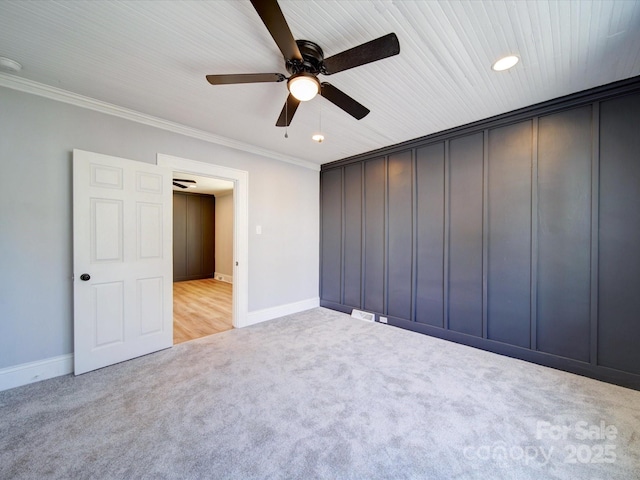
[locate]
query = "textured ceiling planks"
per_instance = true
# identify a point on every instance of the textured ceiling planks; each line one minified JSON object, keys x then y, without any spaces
{"x":152,"y":57}
{"x":627,"y":20}
{"x":448,"y":49}
{"x":426,"y":52}
{"x":560,"y":13}
{"x":547,"y":41}
{"x":528,"y":66}
{"x":632,"y":60}
{"x":479,"y":26}
{"x":592,"y":35}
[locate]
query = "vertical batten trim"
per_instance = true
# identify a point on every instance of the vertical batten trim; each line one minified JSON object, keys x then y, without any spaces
{"x":202,"y":214}
{"x":414,"y":233}
{"x":362,"y":234}
{"x":447,"y":222}
{"x":485,"y":233}
{"x":385,"y":249}
{"x":533,"y":313}
{"x":320,"y":257}
{"x":343,"y":229}
{"x":595,"y":228}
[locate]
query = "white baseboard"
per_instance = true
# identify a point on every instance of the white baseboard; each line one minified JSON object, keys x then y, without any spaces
{"x":223,"y":277}
{"x":23,"y":374}
{"x":265,"y":314}
{"x":26,"y":373}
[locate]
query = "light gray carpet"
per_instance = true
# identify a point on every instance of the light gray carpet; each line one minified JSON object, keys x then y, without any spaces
{"x":320,"y":395}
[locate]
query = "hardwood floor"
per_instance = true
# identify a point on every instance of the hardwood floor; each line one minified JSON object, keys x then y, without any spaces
{"x":200,"y":308}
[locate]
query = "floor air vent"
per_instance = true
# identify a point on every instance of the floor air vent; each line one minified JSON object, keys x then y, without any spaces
{"x":360,"y":315}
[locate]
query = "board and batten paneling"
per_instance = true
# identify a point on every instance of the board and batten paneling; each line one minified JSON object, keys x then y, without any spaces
{"x":331,"y":236}
{"x":619,"y":256}
{"x":465,"y":234}
{"x":179,"y":237}
{"x":400,"y":235}
{"x":509,"y":234}
{"x":193,"y":236}
{"x":194,"y":245}
{"x":564,"y":242}
{"x":374,"y":234}
{"x":518,"y":234}
{"x":353,"y":235}
{"x":429,"y":301}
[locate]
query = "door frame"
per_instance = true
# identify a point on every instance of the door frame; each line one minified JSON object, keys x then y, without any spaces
{"x":240,"y":179}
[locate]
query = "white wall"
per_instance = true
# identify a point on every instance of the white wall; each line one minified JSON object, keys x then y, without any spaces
{"x":224,"y":234}
{"x":37,"y":136}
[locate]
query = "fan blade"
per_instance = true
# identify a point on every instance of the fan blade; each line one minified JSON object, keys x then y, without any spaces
{"x":245,"y":78}
{"x":344,"y":101}
{"x":178,"y":185}
{"x":183,"y":180}
{"x":274,"y":20}
{"x":288,"y":111}
{"x":377,"y":49}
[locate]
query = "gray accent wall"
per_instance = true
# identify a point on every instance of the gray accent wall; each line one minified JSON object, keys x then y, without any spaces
{"x":519,"y":234}
{"x":618,"y":344}
{"x":37,"y":136}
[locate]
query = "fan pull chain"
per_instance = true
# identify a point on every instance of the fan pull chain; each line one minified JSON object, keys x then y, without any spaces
{"x":286,"y":119}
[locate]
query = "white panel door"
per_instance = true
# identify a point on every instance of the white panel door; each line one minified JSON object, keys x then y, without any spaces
{"x":122,"y":259}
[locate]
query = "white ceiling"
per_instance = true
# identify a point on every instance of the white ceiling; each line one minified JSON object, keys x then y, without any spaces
{"x":152,"y":57}
{"x":204,"y":185}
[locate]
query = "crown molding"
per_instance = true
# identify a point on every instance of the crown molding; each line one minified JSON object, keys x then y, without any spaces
{"x":60,"y":95}
{"x":583,"y":97}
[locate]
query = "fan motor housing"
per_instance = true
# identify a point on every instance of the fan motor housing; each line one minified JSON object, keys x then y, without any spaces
{"x":312,"y":58}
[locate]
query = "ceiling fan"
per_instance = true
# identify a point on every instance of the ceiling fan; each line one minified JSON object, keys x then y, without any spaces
{"x":304,"y":60}
{"x":179,"y":181}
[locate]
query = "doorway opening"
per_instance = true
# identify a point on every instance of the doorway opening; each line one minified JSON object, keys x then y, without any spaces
{"x":237,"y":199}
{"x":202,"y":256}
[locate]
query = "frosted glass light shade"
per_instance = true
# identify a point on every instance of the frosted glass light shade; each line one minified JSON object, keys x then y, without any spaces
{"x":303,"y":86}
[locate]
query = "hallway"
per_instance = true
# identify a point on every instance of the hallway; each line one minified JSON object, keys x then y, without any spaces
{"x":201,"y":308}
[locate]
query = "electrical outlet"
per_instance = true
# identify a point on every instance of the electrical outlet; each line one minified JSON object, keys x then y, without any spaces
{"x":383,"y":319}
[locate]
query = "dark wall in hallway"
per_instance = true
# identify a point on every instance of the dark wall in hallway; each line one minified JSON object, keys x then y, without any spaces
{"x":519,"y":234}
{"x":193,"y":236}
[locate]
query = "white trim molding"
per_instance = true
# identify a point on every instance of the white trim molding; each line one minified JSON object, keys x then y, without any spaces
{"x":223,"y":277}
{"x":26,"y":373}
{"x":23,"y":374}
{"x":240,"y":179}
{"x":265,"y":314}
{"x":29,"y":86}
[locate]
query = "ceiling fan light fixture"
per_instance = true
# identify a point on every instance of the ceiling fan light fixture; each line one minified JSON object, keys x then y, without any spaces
{"x":505,"y":63}
{"x":304,"y":86}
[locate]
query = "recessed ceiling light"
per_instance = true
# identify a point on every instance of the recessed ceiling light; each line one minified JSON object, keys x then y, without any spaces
{"x":9,"y":65}
{"x":318,"y":137}
{"x":505,"y":63}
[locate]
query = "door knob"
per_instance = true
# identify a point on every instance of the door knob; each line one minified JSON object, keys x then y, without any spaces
{"x":84,"y":277}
